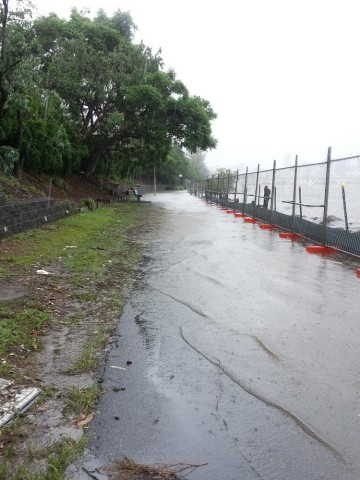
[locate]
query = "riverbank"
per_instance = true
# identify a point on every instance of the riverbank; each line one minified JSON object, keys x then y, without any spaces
{"x":62,"y":289}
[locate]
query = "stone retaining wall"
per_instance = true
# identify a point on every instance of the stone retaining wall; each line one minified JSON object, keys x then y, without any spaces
{"x":17,"y":217}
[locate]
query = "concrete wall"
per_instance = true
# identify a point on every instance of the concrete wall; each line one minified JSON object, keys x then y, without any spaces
{"x":17,"y":217}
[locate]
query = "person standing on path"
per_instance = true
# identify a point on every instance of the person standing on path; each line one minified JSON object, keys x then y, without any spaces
{"x":267,"y":192}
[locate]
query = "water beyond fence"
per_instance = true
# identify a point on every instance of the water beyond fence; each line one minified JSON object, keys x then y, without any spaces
{"x":319,"y":201}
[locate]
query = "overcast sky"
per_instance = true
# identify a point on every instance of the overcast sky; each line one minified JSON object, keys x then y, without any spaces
{"x":282,"y":75}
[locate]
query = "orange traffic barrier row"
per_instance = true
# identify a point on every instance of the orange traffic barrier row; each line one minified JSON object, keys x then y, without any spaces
{"x":250,"y":220}
{"x":268,"y":226}
{"x":319,"y":249}
{"x":288,"y":235}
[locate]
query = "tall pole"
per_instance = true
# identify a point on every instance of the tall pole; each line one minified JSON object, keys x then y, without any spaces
{"x":272,"y":191}
{"x":245,"y":192}
{"x":326,"y":197}
{"x":345,"y":209}
{"x":256,"y":187}
{"x":300,"y":201}
{"x":227,"y":189}
{"x":154,"y":181}
{"x":294,"y":193}
{"x":236,"y":184}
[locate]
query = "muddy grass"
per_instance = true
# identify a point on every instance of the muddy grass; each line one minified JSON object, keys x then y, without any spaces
{"x":69,"y":317}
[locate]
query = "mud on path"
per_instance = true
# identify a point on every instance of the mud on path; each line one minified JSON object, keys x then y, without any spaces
{"x":78,"y":313}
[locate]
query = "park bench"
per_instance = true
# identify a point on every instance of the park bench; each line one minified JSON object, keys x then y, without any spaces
{"x":136,"y":194}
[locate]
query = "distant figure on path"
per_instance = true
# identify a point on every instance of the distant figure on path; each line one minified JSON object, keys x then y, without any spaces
{"x":267,"y":192}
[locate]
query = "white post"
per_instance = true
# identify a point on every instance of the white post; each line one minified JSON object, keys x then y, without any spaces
{"x":154,"y":181}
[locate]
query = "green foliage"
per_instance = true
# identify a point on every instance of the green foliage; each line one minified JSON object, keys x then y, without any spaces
{"x":89,"y":357}
{"x":81,"y":400}
{"x":88,"y":202}
{"x":222,"y":180}
{"x":8,"y":157}
{"x":53,"y":461}
{"x":21,"y":327}
{"x":79,"y":94}
{"x":18,"y":188}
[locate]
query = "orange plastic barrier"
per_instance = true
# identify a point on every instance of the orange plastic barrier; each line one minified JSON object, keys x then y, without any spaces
{"x":288,"y":235}
{"x":267,"y":226}
{"x":319,"y":249}
{"x":358,"y":272}
{"x":250,"y":220}
{"x":239,"y":215}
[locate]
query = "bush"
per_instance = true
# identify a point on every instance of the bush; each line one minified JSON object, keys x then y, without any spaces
{"x":88,"y":202}
{"x":8,"y":157}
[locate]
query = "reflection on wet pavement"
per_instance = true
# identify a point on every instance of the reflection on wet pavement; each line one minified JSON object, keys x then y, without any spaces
{"x":244,"y":351}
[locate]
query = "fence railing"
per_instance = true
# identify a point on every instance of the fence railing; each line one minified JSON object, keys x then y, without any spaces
{"x":320,"y":201}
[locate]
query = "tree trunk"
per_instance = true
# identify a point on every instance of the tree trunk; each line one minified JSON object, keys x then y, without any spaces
{"x":19,"y":165}
{"x":93,"y":160}
{"x":3,"y":91}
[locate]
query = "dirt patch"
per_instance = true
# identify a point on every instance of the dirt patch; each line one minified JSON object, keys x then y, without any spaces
{"x":11,"y":289}
{"x":73,"y":323}
{"x":79,"y":311}
{"x":73,"y":188}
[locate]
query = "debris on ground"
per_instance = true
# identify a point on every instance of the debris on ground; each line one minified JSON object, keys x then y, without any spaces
{"x":43,"y":272}
{"x":127,"y":469}
{"x":14,"y":400}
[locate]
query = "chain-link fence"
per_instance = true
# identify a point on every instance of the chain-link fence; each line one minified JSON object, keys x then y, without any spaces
{"x":319,"y":201}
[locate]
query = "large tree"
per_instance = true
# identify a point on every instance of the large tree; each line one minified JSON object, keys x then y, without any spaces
{"x":79,"y":93}
{"x":116,"y":91}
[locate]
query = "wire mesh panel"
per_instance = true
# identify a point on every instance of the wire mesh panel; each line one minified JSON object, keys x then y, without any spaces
{"x":297,"y":200}
{"x":231,"y":190}
{"x":311,"y":191}
{"x":251,"y":188}
{"x":283,"y":191}
{"x":264,"y":188}
{"x":343,"y":218}
{"x":344,"y":194}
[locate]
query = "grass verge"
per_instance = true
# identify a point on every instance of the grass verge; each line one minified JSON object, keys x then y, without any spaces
{"x":51,"y":462}
{"x":90,"y":258}
{"x":81,"y":400}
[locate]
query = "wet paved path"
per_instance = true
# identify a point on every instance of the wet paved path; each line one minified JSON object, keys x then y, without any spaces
{"x":244,"y":351}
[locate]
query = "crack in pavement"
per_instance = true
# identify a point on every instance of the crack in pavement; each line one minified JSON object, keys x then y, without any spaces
{"x":195,"y":310}
{"x":268,"y":402}
{"x":266,"y":349}
{"x":236,"y":443}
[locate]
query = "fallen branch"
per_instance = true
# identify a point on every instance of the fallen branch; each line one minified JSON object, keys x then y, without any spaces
{"x":129,"y":468}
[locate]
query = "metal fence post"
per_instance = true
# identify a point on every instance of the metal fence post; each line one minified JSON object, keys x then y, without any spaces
{"x":245,"y":192}
{"x":300,"y":201}
{"x":326,"y":197}
{"x":272,"y":191}
{"x":227,"y":189}
{"x":345,"y":209}
{"x":218,"y":188}
{"x":294,"y":193}
{"x":236,"y":184}
{"x":256,"y":187}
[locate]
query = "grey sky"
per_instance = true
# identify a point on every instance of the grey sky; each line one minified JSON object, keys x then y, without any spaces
{"x":282,"y":75}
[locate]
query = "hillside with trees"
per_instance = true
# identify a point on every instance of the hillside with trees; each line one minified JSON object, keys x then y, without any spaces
{"x":79,"y":95}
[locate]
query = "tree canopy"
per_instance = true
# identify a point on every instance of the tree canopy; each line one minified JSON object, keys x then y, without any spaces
{"x":79,"y":94}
